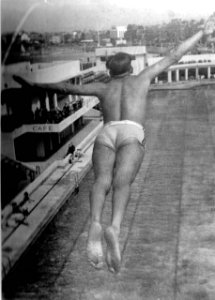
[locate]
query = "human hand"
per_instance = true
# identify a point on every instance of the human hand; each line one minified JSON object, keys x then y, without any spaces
{"x":209,"y":26}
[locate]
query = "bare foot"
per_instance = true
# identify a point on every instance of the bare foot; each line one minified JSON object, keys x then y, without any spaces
{"x":94,"y":245}
{"x":113,"y":256}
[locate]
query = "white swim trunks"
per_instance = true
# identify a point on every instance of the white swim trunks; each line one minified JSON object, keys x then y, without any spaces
{"x":119,"y":133}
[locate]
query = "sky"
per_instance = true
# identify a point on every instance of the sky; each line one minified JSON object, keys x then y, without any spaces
{"x":68,"y":15}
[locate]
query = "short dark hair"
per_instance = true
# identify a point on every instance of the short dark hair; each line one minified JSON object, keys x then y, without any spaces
{"x":119,"y":63}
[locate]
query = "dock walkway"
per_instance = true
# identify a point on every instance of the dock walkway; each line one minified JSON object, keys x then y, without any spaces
{"x":168,"y":233}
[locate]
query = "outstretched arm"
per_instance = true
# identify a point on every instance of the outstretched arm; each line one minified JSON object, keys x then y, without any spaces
{"x":176,"y":54}
{"x":93,"y":89}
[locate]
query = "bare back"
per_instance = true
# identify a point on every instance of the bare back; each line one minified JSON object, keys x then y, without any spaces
{"x":124,"y":99}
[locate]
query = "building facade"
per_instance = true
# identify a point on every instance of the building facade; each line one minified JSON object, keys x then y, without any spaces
{"x":190,"y":67}
{"x":34,"y":124}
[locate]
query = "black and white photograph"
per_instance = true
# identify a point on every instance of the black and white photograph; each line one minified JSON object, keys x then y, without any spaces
{"x":107,"y":150}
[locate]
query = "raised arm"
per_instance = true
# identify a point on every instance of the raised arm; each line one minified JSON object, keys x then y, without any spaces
{"x":93,"y":89}
{"x":176,"y":54}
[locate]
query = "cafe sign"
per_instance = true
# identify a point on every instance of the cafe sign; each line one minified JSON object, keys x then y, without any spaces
{"x":43,"y":128}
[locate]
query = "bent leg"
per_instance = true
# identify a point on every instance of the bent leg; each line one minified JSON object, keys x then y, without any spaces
{"x":103,"y":164}
{"x":128,"y":162}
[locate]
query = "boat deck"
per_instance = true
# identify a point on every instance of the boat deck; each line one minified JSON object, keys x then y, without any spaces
{"x":168,"y":233}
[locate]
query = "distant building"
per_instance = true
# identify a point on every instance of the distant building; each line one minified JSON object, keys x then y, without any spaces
{"x":189,"y":67}
{"x":76,"y":35}
{"x":118,"y":32}
{"x":106,"y":42}
{"x":121,"y":42}
{"x":55,"y":39}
